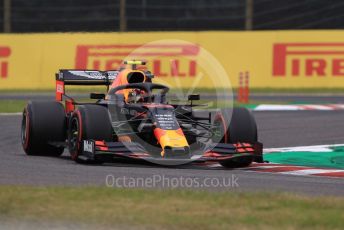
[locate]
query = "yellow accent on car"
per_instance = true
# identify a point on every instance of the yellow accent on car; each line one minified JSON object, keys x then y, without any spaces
{"x":172,"y":139}
{"x":135,"y":62}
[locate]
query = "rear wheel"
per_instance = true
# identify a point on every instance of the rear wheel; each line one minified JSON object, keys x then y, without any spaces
{"x":241,"y":127}
{"x":43,"y":129}
{"x":88,"y":122}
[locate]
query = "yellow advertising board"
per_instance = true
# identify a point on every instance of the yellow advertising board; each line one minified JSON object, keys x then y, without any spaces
{"x":274,"y":59}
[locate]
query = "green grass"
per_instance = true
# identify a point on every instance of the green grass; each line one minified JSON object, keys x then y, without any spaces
{"x":15,"y":106}
{"x":333,"y":91}
{"x":87,"y":89}
{"x":12,"y":106}
{"x":170,"y":209}
{"x":9,"y":106}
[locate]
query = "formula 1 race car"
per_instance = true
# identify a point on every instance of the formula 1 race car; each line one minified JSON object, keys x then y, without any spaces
{"x":134,"y":120}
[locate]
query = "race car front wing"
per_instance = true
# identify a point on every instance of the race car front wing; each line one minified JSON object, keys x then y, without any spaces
{"x":93,"y":149}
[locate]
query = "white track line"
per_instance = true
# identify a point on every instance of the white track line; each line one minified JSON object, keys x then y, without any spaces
{"x":10,"y":114}
{"x":276,"y":108}
{"x":310,"y":148}
{"x":269,"y":107}
{"x":306,"y":172}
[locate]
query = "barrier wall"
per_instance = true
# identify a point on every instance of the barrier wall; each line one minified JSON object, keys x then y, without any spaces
{"x":291,"y":59}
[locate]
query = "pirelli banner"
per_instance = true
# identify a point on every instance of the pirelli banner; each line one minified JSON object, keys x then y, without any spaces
{"x":291,"y":59}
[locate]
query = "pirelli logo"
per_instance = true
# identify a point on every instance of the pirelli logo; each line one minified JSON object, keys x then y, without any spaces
{"x":5,"y":52}
{"x":308,"y":60}
{"x":176,"y":60}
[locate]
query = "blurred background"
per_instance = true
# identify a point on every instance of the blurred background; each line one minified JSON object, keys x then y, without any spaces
{"x":265,"y":46}
{"x":179,"y":15}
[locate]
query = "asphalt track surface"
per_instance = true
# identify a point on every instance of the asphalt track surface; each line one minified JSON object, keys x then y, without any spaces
{"x":276,"y":129}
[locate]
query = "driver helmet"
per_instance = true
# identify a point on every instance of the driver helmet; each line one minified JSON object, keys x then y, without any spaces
{"x":136,"y":96}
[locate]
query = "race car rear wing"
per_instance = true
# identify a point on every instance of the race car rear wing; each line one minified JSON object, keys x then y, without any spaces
{"x":86,"y":77}
{"x":82,"y":77}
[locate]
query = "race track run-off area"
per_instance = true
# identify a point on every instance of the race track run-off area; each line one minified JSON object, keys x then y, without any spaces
{"x":318,"y":160}
{"x":304,"y":151}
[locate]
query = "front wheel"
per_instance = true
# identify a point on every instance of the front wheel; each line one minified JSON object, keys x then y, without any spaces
{"x":240,"y":127}
{"x":88,"y":122}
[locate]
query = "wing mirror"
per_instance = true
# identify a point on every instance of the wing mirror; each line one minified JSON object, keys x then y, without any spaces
{"x":194,"y":97}
{"x":98,"y":96}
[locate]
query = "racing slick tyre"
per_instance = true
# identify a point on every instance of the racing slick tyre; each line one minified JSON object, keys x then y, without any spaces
{"x":43,"y":128}
{"x":242,"y":128}
{"x":88,"y":122}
